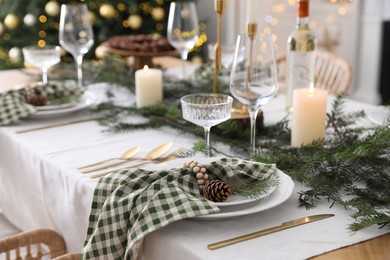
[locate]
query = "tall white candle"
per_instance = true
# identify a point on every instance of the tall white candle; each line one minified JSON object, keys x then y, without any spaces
{"x":252,"y":11}
{"x":308,"y":116}
{"x":148,"y":87}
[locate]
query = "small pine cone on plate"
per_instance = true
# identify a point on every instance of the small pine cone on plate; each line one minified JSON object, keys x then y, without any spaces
{"x":217,"y":191}
{"x":36,"y":100}
{"x":200,"y":172}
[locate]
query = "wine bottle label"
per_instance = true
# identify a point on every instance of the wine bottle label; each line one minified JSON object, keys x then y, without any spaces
{"x":300,"y":72}
{"x":302,"y":8}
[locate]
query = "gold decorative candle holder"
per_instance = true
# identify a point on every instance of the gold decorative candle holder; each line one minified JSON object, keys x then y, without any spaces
{"x":251,"y":29}
{"x":219,"y":6}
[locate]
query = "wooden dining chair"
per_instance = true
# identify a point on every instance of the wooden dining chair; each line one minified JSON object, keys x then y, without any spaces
{"x":332,"y":72}
{"x":32,"y":245}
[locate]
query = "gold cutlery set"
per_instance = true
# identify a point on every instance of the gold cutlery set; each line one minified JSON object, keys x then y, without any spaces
{"x":154,"y":156}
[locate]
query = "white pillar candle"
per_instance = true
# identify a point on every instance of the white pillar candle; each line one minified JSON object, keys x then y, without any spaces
{"x":148,"y":87}
{"x":308,"y":116}
{"x":252,"y":11}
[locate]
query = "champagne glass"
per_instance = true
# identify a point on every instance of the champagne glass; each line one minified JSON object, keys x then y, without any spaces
{"x":206,"y":110}
{"x":42,"y":57}
{"x":253,"y":80}
{"x":76,"y":34}
{"x":183,"y":28}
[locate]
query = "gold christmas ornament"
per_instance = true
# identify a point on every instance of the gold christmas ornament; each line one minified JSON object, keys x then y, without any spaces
{"x":158,"y":13}
{"x":100,"y":52}
{"x":15,"y":54}
{"x":29,"y":20}
{"x":92,"y":16}
{"x":135,"y":21}
{"x":52,"y":8}
{"x":11,"y":21}
{"x":2,"y":29}
{"x":107,"y":11}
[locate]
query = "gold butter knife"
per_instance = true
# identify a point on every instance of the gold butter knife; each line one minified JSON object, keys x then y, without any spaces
{"x":283,"y":226}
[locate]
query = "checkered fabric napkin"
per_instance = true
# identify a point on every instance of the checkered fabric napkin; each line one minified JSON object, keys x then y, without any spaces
{"x":129,"y":204}
{"x":13,"y":105}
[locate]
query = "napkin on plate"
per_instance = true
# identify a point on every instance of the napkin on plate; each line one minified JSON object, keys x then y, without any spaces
{"x":13,"y":103}
{"x":129,"y":204}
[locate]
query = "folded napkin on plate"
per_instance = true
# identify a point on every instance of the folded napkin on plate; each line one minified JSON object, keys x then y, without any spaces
{"x":129,"y":204}
{"x":13,"y":103}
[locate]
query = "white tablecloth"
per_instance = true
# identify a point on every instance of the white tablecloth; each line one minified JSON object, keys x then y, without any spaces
{"x":40,"y":187}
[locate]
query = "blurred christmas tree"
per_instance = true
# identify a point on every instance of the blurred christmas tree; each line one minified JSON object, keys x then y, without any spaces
{"x":26,"y":22}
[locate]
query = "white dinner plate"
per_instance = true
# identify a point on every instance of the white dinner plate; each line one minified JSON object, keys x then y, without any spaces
{"x":281,"y":193}
{"x":86,"y":100}
{"x":379,"y":116}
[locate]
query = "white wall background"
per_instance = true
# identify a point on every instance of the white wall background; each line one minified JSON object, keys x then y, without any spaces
{"x":357,"y":25}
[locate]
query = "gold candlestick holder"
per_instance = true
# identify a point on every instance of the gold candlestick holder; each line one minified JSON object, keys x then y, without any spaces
{"x":251,"y":29}
{"x":219,"y":6}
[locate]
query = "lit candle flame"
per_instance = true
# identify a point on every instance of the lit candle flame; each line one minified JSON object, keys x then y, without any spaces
{"x":146,"y":68}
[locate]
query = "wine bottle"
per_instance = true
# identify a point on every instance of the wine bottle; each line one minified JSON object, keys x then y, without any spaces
{"x":301,"y":53}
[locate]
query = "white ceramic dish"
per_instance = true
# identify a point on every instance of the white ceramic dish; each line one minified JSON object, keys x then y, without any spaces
{"x":281,"y":193}
{"x":87,"y":100}
{"x":379,"y":116}
{"x":239,"y":199}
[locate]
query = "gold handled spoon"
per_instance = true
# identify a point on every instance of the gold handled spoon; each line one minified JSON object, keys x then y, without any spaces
{"x":169,"y":157}
{"x":125,"y":156}
{"x":155,"y":153}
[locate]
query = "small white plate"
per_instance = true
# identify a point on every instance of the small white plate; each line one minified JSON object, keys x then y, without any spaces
{"x":239,"y":199}
{"x":55,"y":107}
{"x":87,"y":100}
{"x":279,"y":196}
{"x":281,"y":193}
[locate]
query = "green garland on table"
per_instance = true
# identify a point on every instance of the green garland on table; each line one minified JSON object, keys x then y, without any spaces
{"x":351,"y":167}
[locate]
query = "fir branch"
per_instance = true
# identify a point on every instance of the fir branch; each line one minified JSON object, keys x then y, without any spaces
{"x":258,"y":187}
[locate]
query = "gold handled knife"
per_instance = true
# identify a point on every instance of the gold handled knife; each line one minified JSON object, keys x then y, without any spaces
{"x":283,"y":226}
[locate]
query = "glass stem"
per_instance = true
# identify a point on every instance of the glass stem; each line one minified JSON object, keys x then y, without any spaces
{"x":207,"y":140}
{"x":253,"y":116}
{"x":79,"y":64}
{"x":44,"y":76}
{"x":183,"y":55}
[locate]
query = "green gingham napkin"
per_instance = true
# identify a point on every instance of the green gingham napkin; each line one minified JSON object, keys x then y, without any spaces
{"x":129,"y":204}
{"x":13,"y":103}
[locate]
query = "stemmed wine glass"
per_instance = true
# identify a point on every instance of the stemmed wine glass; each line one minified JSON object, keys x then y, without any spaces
{"x":183,"y":28}
{"x":253,"y":80}
{"x":42,"y":57}
{"x":206,"y":110}
{"x":76,"y":34}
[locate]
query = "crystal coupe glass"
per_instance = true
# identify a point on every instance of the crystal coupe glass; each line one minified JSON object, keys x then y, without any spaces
{"x":42,"y":58}
{"x":206,"y":110}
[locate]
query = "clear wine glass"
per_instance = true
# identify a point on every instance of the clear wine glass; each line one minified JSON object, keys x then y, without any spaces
{"x":183,"y":28}
{"x":76,"y":34}
{"x":42,"y":58}
{"x":253,"y":80}
{"x":206,"y":110}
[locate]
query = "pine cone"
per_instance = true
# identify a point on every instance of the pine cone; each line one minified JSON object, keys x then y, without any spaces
{"x":36,"y":100}
{"x":200,"y":171}
{"x":217,"y":190}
